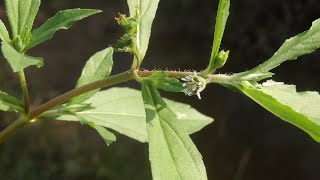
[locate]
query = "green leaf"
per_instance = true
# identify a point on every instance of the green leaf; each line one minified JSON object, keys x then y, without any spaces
{"x":9,"y":103}
{"x":161,"y":81}
{"x":291,"y":49}
{"x":121,"y":109}
{"x":4,"y":35}
{"x":106,"y":135}
{"x":62,"y":20}
{"x":147,"y":11}
{"x":221,"y":20}
{"x":97,"y":67}
{"x":172,"y":153}
{"x":298,"y":108}
{"x":19,"y":61}
{"x":21,"y":14}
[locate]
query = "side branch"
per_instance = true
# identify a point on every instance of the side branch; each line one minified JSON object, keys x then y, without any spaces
{"x":122,"y":77}
{"x":25,"y":92}
{"x":119,"y":78}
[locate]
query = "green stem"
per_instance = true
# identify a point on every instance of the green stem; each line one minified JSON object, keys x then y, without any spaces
{"x":119,"y":78}
{"x":12,"y":128}
{"x":25,"y":91}
{"x":122,"y":77}
{"x":173,"y":74}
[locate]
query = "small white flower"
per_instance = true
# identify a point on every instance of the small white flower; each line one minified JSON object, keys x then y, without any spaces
{"x":194,"y":84}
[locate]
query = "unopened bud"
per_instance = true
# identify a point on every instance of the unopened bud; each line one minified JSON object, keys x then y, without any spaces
{"x":221,"y":59}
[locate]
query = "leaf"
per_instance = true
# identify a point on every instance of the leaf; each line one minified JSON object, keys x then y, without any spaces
{"x":19,"y":61}
{"x":161,"y":81}
{"x":62,"y":20}
{"x":171,"y":151}
{"x":121,"y":109}
{"x":97,"y":67}
{"x":4,"y":35}
{"x":106,"y":135}
{"x":147,"y":11}
{"x":9,"y":103}
{"x":221,"y":20}
{"x":298,"y":108}
{"x":21,"y":14}
{"x":291,"y":49}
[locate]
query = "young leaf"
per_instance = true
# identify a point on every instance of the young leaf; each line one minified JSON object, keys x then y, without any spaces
{"x":19,"y":61}
{"x":97,"y":67}
{"x":21,"y":14}
{"x":300,"y":109}
{"x":106,"y":135}
{"x":4,"y":35}
{"x":147,"y":11}
{"x":291,"y":49}
{"x":62,"y":20}
{"x":121,"y":109}
{"x":161,"y":81}
{"x":171,"y":151}
{"x":221,"y":20}
{"x":9,"y":103}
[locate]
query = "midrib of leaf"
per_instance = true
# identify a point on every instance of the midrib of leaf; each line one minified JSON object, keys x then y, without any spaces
{"x":116,"y":100}
{"x":278,"y":108}
{"x":182,"y":142}
{"x":162,"y":132}
{"x":14,"y":17}
{"x":116,"y":125}
{"x":269,"y":64}
{"x":166,"y":125}
{"x":166,"y":140}
{"x":22,"y":19}
{"x":58,"y":25}
{"x":309,"y":41}
{"x":112,"y":113}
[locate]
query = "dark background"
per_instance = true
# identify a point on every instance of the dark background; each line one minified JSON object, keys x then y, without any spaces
{"x":244,"y":143}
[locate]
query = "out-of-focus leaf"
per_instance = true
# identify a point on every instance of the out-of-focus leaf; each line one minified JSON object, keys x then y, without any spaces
{"x":9,"y":103}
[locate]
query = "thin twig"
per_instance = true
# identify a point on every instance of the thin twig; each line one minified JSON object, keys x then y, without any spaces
{"x":25,"y":92}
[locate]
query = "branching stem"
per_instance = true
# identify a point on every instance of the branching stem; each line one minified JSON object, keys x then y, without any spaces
{"x":112,"y":80}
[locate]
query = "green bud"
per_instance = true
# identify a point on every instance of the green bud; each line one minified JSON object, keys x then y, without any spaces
{"x":126,"y":42}
{"x":221,"y":59}
{"x":17,"y":43}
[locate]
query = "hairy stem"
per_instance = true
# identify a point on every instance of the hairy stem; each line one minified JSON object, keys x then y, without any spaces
{"x":115,"y":79}
{"x":25,"y":91}
{"x":122,"y":77}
